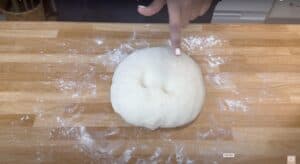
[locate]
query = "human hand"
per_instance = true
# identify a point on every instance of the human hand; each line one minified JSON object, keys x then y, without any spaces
{"x":181,"y":12}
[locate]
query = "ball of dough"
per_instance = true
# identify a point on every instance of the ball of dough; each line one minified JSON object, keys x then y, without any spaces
{"x":153,"y":88}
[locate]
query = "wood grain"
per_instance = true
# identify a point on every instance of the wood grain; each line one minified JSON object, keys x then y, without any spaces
{"x":54,"y":94}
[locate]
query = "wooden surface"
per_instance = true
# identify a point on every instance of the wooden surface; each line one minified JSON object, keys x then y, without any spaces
{"x":55,"y":107}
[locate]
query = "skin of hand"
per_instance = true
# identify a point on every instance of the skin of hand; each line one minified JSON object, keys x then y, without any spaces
{"x":181,"y":12}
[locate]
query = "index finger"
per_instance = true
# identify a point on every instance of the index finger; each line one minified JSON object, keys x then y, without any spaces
{"x":175,"y":24}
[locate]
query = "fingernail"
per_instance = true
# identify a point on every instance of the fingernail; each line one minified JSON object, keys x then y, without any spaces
{"x":177,"y":51}
{"x":141,"y":6}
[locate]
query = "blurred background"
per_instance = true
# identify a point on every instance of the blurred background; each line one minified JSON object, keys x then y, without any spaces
{"x":221,"y":11}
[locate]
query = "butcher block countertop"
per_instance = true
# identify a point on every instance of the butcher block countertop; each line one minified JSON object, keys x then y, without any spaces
{"x":55,"y":106}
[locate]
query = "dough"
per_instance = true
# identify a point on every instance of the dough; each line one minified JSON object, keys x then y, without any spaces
{"x":153,"y":88}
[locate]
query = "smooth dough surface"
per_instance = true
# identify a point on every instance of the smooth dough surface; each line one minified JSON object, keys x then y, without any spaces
{"x":153,"y":88}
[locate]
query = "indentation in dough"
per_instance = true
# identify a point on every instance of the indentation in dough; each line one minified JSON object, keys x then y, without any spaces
{"x":142,"y":82}
{"x":165,"y":90}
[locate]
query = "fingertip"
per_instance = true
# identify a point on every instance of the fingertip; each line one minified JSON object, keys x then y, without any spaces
{"x":152,"y":9}
{"x":175,"y":49}
{"x":146,"y":11}
{"x":175,"y":43}
{"x":175,"y":35}
{"x":140,"y":10}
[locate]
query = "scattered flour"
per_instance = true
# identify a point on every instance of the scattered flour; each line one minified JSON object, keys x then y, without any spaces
{"x":200,"y":43}
{"x":97,"y":146}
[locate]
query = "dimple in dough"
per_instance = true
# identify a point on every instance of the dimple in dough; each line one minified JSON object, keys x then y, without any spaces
{"x":153,"y":88}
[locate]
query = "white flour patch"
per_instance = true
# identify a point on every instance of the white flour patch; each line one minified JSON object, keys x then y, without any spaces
{"x":200,"y":43}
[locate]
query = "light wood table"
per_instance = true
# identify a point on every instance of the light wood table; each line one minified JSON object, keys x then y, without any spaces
{"x":55,"y":106}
